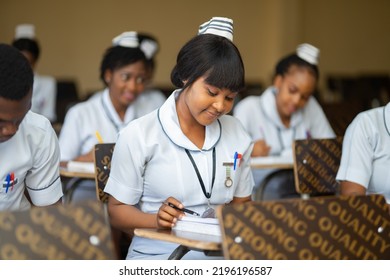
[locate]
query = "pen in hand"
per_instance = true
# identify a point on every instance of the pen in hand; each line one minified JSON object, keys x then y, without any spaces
{"x":183,"y":209}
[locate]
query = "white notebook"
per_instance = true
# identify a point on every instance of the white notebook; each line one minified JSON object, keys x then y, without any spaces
{"x":272,"y":160}
{"x":83,"y":167}
{"x":198,"y":225}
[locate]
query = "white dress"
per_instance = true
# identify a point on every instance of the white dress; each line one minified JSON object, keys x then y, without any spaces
{"x":261,"y":119}
{"x":150,"y":164}
{"x":97,"y":114}
{"x":30,"y":160}
{"x":44,"y":96}
{"x":365,"y":155}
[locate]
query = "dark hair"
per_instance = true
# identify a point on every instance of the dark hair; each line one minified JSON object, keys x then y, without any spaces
{"x":30,"y":45}
{"x":16,"y":74}
{"x":286,"y":62}
{"x":151,"y":63}
{"x":117,"y":57}
{"x":213,"y":56}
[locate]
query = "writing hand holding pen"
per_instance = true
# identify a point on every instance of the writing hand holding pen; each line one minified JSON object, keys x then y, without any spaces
{"x":170,"y":211}
{"x":185,"y":210}
{"x":260,"y":149}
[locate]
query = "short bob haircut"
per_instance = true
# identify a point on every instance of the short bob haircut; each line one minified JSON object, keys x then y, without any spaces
{"x":214,"y":57}
{"x":16,"y":74}
{"x":117,"y":57}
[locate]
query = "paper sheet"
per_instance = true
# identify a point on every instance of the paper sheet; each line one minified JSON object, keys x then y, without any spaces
{"x":83,"y":167}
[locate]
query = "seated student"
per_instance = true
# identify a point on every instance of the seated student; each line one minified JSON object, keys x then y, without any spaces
{"x":180,"y":153}
{"x":28,"y":144}
{"x":286,"y":110}
{"x":365,"y":159}
{"x":124,"y":72}
{"x":45,"y":87}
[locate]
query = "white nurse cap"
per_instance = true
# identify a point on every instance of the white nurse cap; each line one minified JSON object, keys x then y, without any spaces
{"x":149,"y":47}
{"x":127,"y":39}
{"x":220,"y":26}
{"x":25,"y":31}
{"x":308,"y":53}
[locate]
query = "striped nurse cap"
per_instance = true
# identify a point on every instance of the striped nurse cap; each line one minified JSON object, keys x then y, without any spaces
{"x":130,"y":39}
{"x":309,"y":53}
{"x":220,"y":26}
{"x":127,"y":39}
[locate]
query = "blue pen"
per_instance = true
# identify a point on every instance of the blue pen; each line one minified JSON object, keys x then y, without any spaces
{"x":235,"y":160}
{"x":8,"y":179}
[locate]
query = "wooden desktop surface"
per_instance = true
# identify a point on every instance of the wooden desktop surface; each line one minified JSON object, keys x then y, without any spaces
{"x":192,"y":240}
{"x":71,"y":180}
{"x":66,"y":173}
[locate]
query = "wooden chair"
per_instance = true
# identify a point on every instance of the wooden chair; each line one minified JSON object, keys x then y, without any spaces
{"x":103,"y":155}
{"x":78,"y":231}
{"x":316,"y":162}
{"x":324,"y":228}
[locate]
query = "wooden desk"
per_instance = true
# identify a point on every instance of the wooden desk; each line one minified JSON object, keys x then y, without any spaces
{"x":209,"y":244}
{"x":272,"y":162}
{"x":324,"y":228}
{"x":85,"y":175}
{"x":282,"y":166}
{"x":57,"y":232}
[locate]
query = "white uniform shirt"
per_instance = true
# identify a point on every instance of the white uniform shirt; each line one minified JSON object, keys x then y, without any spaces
{"x":31,"y":159}
{"x":150,"y":164}
{"x":78,"y":133}
{"x":261,"y":119}
{"x":44,"y":96}
{"x":366,"y":152}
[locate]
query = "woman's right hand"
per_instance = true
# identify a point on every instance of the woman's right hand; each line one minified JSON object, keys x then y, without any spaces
{"x":167,"y":216}
{"x":260,"y":149}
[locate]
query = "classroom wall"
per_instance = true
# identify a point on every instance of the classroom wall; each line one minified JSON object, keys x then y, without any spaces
{"x":352,"y":34}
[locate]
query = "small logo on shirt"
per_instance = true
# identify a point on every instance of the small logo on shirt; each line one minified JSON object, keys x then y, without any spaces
{"x":9,"y":182}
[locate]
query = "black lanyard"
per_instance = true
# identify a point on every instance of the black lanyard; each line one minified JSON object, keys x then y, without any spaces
{"x":206,"y":194}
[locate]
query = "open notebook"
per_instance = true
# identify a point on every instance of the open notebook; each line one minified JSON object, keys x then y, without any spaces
{"x":198,"y":225}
